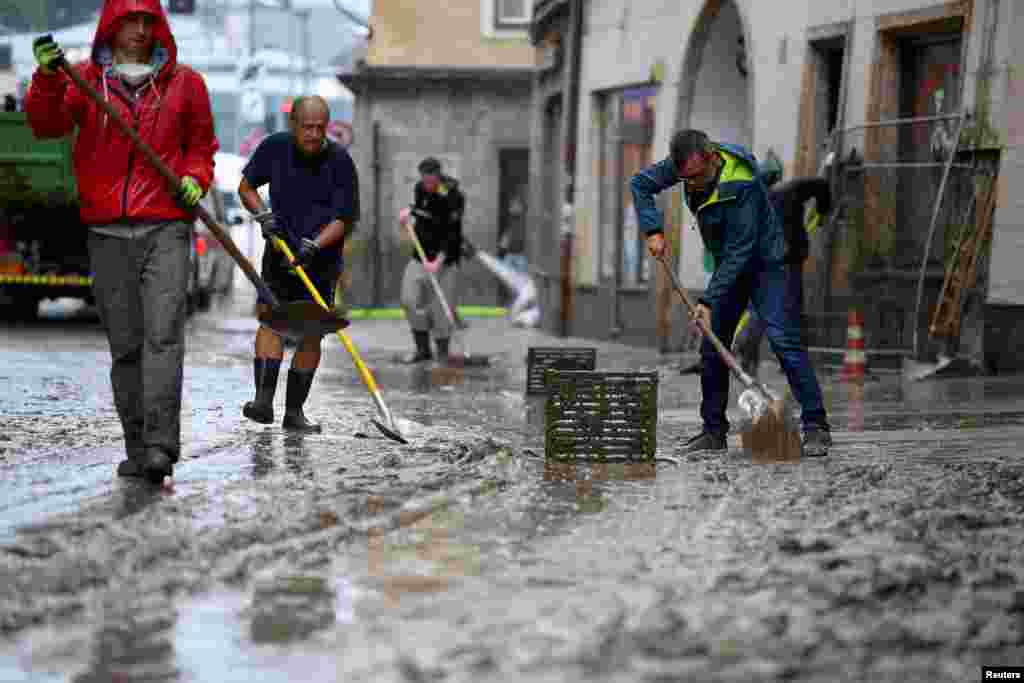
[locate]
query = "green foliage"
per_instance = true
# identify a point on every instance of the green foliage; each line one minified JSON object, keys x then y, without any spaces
{"x":33,"y":12}
{"x":980,"y":133}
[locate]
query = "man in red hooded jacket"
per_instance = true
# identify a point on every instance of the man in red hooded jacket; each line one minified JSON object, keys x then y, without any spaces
{"x":139,"y":229}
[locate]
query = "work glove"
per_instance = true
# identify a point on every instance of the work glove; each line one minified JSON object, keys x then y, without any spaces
{"x":190,"y":192}
{"x":404,"y":216}
{"x":308,"y":249}
{"x":47,"y":53}
{"x":268,"y":225}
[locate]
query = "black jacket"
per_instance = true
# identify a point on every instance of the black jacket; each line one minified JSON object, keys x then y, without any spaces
{"x":439,"y":220}
{"x":789,"y":199}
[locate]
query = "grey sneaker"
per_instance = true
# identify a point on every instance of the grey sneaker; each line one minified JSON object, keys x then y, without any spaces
{"x":705,"y":442}
{"x":816,"y":442}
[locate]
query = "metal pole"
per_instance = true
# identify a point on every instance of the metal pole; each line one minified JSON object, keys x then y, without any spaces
{"x":252,"y":28}
{"x":931,"y":234}
{"x":898,"y":122}
{"x":308,"y":75}
{"x":375,"y":147}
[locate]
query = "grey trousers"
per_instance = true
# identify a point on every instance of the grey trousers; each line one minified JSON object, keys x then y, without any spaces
{"x":423,"y":309}
{"x":140,"y":284}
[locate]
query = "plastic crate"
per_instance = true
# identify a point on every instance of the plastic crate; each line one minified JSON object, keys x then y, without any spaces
{"x":540,"y":358}
{"x":601,"y":416}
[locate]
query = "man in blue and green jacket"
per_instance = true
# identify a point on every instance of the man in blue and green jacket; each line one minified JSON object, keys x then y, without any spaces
{"x":746,"y":238}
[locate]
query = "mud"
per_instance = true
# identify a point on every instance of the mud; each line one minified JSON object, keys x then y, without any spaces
{"x":464,"y":557}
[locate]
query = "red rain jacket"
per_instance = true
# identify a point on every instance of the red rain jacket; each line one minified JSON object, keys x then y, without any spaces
{"x":115,"y":182}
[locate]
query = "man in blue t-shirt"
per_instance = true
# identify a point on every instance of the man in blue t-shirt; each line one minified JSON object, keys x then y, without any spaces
{"x":314,"y":192}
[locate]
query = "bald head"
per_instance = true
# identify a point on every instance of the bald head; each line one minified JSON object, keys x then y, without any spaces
{"x":311,"y":103}
{"x":309,"y":118}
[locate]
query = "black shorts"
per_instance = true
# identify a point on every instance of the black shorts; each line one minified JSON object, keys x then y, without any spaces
{"x":286,"y":284}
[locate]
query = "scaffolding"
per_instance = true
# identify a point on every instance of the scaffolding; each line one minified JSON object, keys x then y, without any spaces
{"x":908,"y":240}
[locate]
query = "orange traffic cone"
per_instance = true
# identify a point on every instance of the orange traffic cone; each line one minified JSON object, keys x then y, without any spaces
{"x":855,"y":361}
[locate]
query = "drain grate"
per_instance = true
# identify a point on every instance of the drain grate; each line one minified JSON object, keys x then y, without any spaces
{"x":601,"y":416}
{"x":540,"y":358}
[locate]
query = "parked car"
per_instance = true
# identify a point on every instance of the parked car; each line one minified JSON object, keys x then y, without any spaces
{"x":212,"y":266}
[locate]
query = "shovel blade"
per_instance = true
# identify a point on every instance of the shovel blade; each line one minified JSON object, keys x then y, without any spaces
{"x":299,"y":319}
{"x":770,"y":439}
{"x":460,"y":360}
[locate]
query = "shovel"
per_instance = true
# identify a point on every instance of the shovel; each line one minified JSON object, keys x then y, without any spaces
{"x":768,"y":434}
{"x":296,"y":319}
{"x":463,"y":359}
{"x":386,"y":423}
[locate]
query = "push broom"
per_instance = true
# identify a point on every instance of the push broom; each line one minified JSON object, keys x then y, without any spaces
{"x":464,"y":358}
{"x":769,"y":435}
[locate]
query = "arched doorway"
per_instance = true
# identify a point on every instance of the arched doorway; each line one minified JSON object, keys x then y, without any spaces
{"x":715,"y":96}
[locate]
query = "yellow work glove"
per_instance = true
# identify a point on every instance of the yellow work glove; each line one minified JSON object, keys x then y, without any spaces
{"x":190,"y":193}
{"x":47,"y":53}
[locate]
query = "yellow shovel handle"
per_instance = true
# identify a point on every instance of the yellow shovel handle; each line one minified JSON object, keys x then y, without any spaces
{"x":744,"y":320}
{"x":301,"y":272}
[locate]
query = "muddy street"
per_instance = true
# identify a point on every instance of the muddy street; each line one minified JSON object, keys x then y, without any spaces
{"x":463,"y":556}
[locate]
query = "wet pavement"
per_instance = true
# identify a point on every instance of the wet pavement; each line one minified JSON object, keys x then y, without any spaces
{"x":464,"y":557}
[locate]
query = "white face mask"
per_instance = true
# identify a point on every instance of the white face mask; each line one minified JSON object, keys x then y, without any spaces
{"x":134,"y":74}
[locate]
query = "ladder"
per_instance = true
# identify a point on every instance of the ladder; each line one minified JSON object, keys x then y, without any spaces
{"x":963,"y":267}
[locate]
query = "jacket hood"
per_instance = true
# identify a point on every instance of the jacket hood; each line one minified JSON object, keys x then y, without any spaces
{"x":115,"y":10}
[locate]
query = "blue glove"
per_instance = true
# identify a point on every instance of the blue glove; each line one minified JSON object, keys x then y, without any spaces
{"x":308,"y":249}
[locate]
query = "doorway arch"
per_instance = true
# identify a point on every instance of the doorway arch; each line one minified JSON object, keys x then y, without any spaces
{"x":717,"y":84}
{"x":716,"y":95}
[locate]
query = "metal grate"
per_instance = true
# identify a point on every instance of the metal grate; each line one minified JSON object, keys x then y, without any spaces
{"x":540,"y":358}
{"x":601,"y":416}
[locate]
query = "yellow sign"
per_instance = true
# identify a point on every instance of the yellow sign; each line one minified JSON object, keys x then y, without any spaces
{"x":56,"y":280}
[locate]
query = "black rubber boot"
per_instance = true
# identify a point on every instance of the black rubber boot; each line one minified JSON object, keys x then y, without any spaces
{"x":156,"y":465}
{"x":442,"y":349}
{"x":705,"y":442}
{"x":299,"y":382}
{"x":265,"y":371}
{"x":422,"y":353}
{"x":131,"y":465}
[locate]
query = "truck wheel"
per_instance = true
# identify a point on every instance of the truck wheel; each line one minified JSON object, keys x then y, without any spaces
{"x":24,"y":309}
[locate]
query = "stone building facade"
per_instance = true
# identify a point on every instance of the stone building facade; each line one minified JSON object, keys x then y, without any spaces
{"x":890,"y":87}
{"x":450,"y":80}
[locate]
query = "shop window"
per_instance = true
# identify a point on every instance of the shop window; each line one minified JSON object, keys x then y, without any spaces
{"x":511,"y":13}
{"x":625,"y":120}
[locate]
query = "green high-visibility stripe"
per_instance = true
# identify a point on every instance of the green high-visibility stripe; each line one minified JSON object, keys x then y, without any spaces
{"x":396,"y":313}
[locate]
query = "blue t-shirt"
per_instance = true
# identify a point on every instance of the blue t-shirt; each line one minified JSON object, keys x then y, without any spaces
{"x":305,"y":194}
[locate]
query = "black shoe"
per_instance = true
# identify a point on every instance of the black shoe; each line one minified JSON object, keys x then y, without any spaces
{"x":156,"y":465}
{"x":259,"y":412}
{"x":129,"y":467}
{"x":265,"y":372}
{"x":299,"y":383}
{"x":705,"y":442}
{"x":422,"y":353}
{"x":694,"y":369}
{"x":295,"y":421}
{"x":816,"y":442}
{"x":134,"y":452}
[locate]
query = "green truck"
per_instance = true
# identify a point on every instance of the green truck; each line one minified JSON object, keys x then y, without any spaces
{"x":43,"y":251}
{"x":43,"y":244}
